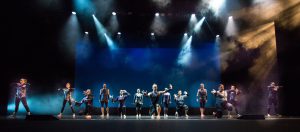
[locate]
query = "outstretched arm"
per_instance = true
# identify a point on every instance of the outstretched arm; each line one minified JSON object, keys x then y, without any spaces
{"x":170,"y":88}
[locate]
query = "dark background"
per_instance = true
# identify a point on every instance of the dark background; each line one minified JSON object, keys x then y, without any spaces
{"x":31,"y":49}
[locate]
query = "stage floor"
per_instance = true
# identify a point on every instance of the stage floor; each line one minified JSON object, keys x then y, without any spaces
{"x":146,"y":124}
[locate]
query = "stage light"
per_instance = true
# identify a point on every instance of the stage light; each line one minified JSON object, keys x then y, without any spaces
{"x":198,"y":25}
{"x":216,"y":5}
{"x":111,"y":45}
{"x":114,"y":13}
{"x":152,"y":34}
{"x":73,"y":12}
{"x":230,"y":29}
{"x":157,"y":14}
{"x":119,"y":33}
{"x":185,"y":53}
{"x":185,"y":34}
{"x":217,"y":36}
{"x":86,"y":33}
{"x":192,"y":22}
{"x":100,"y":29}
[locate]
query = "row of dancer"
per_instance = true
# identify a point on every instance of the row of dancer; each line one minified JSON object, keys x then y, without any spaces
{"x":225,"y":99}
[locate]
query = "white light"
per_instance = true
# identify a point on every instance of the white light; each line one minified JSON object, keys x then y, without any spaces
{"x":216,"y":5}
{"x":230,"y":17}
{"x":73,"y":12}
{"x":198,"y":25}
{"x":185,"y":34}
{"x":119,"y":33}
{"x":86,"y":33}
{"x":157,"y":14}
{"x":114,"y":13}
{"x":193,"y":15}
{"x":217,"y":36}
{"x":152,"y":34}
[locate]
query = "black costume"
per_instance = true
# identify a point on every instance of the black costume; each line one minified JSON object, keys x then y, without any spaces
{"x":138,"y":101}
{"x":180,"y":105}
{"x":273,"y":98}
{"x":88,"y":101}
{"x":67,"y":98}
{"x":21,"y":96}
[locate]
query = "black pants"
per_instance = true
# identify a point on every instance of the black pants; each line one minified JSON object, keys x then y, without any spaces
{"x":122,"y":110}
{"x":220,"y":106}
{"x":273,"y":101}
{"x":88,"y":109}
{"x":138,"y":108}
{"x":180,"y":108}
{"x":64,"y":104}
{"x":24,"y":102}
{"x":166,"y":107}
{"x":153,"y":109}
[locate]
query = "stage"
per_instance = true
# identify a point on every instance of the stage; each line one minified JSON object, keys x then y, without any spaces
{"x":146,"y":124}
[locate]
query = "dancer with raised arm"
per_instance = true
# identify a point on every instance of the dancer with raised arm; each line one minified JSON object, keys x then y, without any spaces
{"x":67,"y":98}
{"x":21,"y":94}
{"x":138,"y":101}
{"x":121,"y":99}
{"x":104,"y":98}
{"x":154,"y":98}
{"x":221,"y":100}
{"x":180,"y":104}
{"x":202,"y":98}
{"x":273,"y":98}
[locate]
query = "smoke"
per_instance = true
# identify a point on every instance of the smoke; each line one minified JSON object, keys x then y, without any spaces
{"x":69,"y":36}
{"x":162,"y":3}
{"x":103,"y":7}
{"x":159,"y":26}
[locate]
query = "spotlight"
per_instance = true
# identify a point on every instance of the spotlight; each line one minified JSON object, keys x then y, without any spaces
{"x":86,"y":33}
{"x":152,"y":34}
{"x":230,"y":17}
{"x":193,"y":15}
{"x":73,"y":12}
{"x":217,"y":36}
{"x":157,"y":14}
{"x":114,"y":13}
{"x":119,"y":33}
{"x":185,"y":34}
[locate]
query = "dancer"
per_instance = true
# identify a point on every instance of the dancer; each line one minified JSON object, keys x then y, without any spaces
{"x":121,"y":99}
{"x":154,"y":98}
{"x":180,"y":105}
{"x":67,"y":98}
{"x":166,"y":100}
{"x":232,"y":93}
{"x":88,"y":101}
{"x":138,"y":101}
{"x":21,"y":92}
{"x":273,"y":98}
{"x":202,"y":98}
{"x":221,"y":100}
{"x":104,"y":98}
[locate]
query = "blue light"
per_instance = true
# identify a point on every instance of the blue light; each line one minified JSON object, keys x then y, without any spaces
{"x":110,"y":43}
{"x":185,"y":53}
{"x":100,"y":29}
